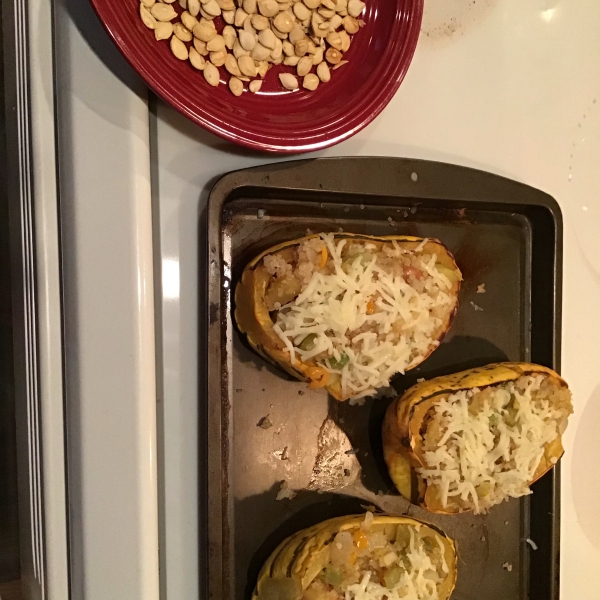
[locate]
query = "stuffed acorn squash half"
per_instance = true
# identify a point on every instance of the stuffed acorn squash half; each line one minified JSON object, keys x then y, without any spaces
{"x":347,"y":312}
{"x":473,"y":439}
{"x":362,"y":557}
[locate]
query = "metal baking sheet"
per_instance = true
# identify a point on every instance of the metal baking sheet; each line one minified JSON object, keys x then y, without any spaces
{"x":503,"y":234}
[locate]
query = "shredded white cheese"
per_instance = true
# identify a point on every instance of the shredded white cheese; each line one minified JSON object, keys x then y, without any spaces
{"x":376,"y":346}
{"x":415,"y":582}
{"x":490,"y":456}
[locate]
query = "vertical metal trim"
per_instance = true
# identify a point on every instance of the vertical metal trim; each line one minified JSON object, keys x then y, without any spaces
{"x":23,"y":245}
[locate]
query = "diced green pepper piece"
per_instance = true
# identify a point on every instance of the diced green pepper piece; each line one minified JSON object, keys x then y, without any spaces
{"x":341,"y":363}
{"x":392,"y":577}
{"x":308,"y":343}
{"x":333,"y":576}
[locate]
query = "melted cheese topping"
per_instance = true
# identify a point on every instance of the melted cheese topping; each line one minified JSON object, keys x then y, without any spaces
{"x":417,"y":582}
{"x":373,"y":344}
{"x":492,"y":455}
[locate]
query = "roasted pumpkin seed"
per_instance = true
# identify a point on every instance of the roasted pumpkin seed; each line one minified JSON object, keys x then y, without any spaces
{"x":196,"y":59}
{"x":182,"y":32}
{"x":324,"y":72}
{"x":288,"y":81}
{"x":147,"y":18}
{"x":333,"y":56}
{"x":247,"y":66}
{"x":231,"y":65}
{"x":304,"y":66}
{"x":310,"y":82}
{"x":178,"y":48}
{"x":236,"y":86}
{"x":163,"y":30}
{"x":268,"y":8}
{"x":163,"y":12}
{"x":355,"y":7}
{"x":211,"y":74}
{"x":217,"y":57}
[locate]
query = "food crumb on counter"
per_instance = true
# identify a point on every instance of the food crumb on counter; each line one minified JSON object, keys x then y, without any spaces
{"x":481,"y":288}
{"x":506,"y":522}
{"x":285,"y":493}
{"x":507,"y":567}
{"x":265,"y":423}
{"x":476,"y":306}
{"x":533,"y":545}
{"x":483,"y":538}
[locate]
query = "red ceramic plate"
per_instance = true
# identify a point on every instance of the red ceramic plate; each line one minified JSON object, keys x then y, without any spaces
{"x":277,"y":120}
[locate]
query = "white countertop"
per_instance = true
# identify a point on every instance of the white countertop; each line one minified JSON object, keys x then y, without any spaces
{"x":507,"y":86}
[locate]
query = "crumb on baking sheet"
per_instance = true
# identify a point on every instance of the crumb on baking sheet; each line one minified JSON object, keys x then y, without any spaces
{"x":282,"y":454}
{"x":265,"y":423}
{"x":481,"y":288}
{"x":507,"y":567}
{"x":421,"y":380}
{"x":351,"y":452}
{"x":476,"y":306}
{"x":368,"y":508}
{"x":285,"y":493}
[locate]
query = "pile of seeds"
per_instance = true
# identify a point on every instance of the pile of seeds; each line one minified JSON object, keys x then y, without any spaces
{"x":304,"y":34}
